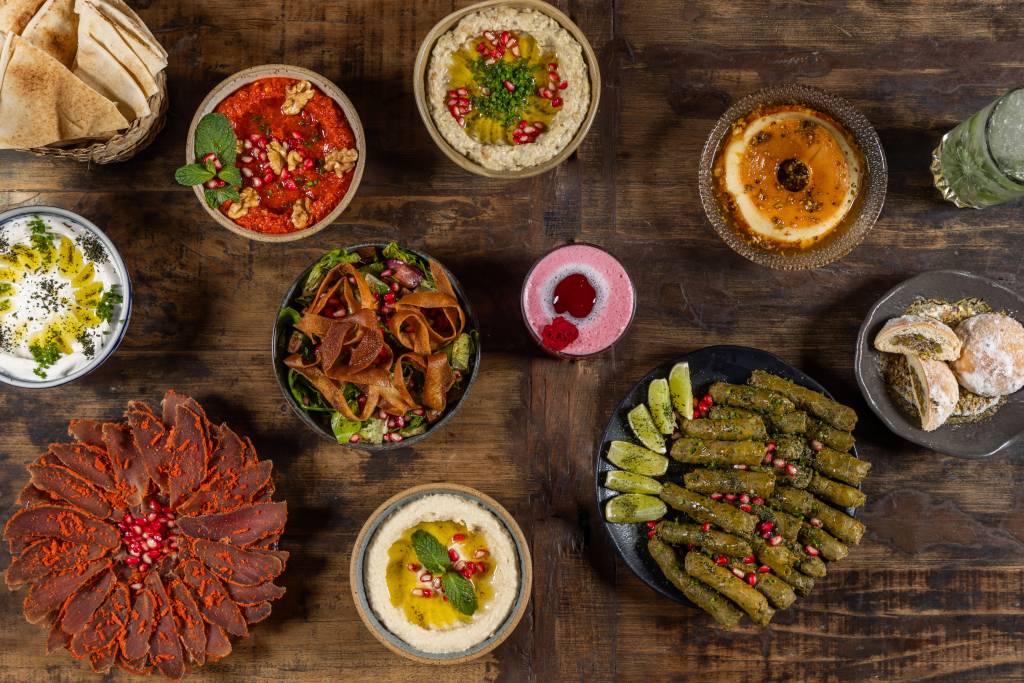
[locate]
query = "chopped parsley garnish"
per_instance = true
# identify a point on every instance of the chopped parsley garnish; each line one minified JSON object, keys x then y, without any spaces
{"x":45,"y":355}
{"x":110,"y":298}
{"x":92,"y":247}
{"x":42,"y":240}
{"x":502,"y":104}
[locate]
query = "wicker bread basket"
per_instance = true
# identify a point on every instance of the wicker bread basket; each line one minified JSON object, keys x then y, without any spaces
{"x":122,"y":146}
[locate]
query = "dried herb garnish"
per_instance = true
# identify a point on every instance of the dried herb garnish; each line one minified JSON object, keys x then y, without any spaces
{"x":88,"y":345}
{"x":5,"y":339}
{"x":92,"y":247}
{"x":48,"y":295}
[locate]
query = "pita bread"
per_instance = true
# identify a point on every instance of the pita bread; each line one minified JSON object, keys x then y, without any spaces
{"x":42,"y":102}
{"x":15,"y":14}
{"x":125,"y":18}
{"x":91,"y":23}
{"x":54,"y":29}
{"x":95,"y":65}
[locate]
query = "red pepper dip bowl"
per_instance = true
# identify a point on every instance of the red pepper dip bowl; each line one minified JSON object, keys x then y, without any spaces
{"x":301,"y":151}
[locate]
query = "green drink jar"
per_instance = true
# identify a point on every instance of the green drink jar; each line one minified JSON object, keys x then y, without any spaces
{"x":981,"y":162}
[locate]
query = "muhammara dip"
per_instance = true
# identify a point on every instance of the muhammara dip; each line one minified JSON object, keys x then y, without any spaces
{"x":508,"y":87}
{"x":409,"y":600}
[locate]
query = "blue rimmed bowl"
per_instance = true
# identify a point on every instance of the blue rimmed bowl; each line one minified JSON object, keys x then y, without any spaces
{"x":358,"y":574}
{"x":123,"y":311}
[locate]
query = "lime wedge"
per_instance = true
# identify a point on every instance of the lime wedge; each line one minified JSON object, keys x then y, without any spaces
{"x":661,"y":406}
{"x":630,"y":508}
{"x":642,"y":424}
{"x":682,"y":390}
{"x":627,"y":482}
{"x":637,"y":459}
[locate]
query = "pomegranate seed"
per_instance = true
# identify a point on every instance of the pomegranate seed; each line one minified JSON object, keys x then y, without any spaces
{"x":247,"y":172}
{"x":716,"y":496}
{"x":503,"y":38}
{"x":744,"y":498}
{"x":696,"y":413}
{"x":766,"y":535}
{"x":650,"y":533}
{"x":515,"y":50}
{"x":767,"y":525}
{"x":757,"y":500}
{"x":746,"y":507}
{"x":811,"y":550}
{"x":749,"y":559}
{"x":436,"y":583}
{"x":779,"y":463}
{"x":480,"y":552}
{"x":397,"y":437}
{"x":730,"y":497}
{"x":247,"y":144}
{"x":791,"y":469}
{"x":721,"y":560}
{"x":207,"y":158}
{"x":705,"y":527}
{"x":172,"y":545}
{"x":147,"y":559}
{"x":770,"y":446}
{"x":815,"y":522}
{"x":764,"y":569}
{"x":394,"y":286}
{"x":143,"y":567}
{"x":767,"y":460}
{"x":552,"y":66}
{"x":556,"y":102}
{"x":817,"y":445}
{"x":462,"y":92}
{"x":459,"y":538}
{"x":255,"y":137}
{"x":481,"y":48}
{"x":752,"y":579}
{"x":418,"y":592}
{"x":453,"y":554}
{"x":132,"y":561}
{"x":290,"y":185}
{"x":136,"y":586}
{"x":739,"y":467}
{"x":545,"y":93}
{"x":508,"y":86}
{"x":651,"y":524}
{"x":738,"y":573}
{"x":354,"y":438}
{"x":285,"y":174}
{"x":563,"y":85}
{"x":489,"y":35}
{"x":426,"y":577}
{"x":150,"y":543}
{"x":690,"y":546}
{"x":413,"y":567}
{"x":775,"y":540}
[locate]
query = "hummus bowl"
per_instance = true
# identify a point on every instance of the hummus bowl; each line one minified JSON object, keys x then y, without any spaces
{"x":507,"y":88}
{"x":301,"y":151}
{"x":792,"y":177}
{"x":503,"y":580}
{"x":65,"y":297}
{"x":352,"y":396}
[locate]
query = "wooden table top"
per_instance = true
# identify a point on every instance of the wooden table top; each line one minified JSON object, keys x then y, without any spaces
{"x":934,"y":591}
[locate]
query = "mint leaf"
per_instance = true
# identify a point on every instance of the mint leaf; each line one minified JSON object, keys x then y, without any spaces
{"x":459,"y":591}
{"x":430,"y":552}
{"x":231,"y":175}
{"x":216,"y":197}
{"x":193,"y":174}
{"x":215,"y":134}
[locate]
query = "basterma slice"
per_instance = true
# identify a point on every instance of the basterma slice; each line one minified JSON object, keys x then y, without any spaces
{"x":637,"y":459}
{"x":682,"y":390}
{"x":642,"y":424}
{"x":630,"y":508}
{"x":661,"y":406}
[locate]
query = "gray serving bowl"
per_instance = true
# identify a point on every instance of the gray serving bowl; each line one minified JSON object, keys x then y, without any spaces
{"x":123,"y":311}
{"x":280,"y":342}
{"x":970,"y":440}
{"x":857,"y":223}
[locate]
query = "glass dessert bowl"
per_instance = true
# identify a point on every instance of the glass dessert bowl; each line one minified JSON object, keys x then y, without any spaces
{"x":792,"y":177}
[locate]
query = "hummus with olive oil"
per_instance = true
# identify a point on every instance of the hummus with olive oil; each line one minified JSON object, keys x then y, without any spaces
{"x":410,"y":602}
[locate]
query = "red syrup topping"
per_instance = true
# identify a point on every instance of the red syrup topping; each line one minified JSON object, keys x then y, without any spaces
{"x":559,"y":333}
{"x":574,"y":295}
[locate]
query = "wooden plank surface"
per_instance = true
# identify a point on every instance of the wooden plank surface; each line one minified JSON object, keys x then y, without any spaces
{"x":935,"y":590}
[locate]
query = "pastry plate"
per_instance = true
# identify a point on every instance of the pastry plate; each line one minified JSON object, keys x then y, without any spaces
{"x":712,"y":364}
{"x":357,"y":575}
{"x":971,"y":440}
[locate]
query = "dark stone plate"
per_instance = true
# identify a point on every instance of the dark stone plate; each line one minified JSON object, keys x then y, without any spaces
{"x":973,"y":440}
{"x":712,"y":364}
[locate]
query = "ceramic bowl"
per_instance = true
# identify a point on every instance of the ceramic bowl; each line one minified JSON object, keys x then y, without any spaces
{"x":857,"y":223}
{"x":243,"y":78}
{"x":420,"y":86}
{"x":969,"y":440}
{"x":357,"y":575}
{"x":124,"y":311}
{"x":280,"y":342}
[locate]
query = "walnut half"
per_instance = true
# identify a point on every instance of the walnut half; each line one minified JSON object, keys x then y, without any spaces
{"x":341,"y":161}
{"x":249,"y":200}
{"x":296,"y":96}
{"x":300,"y":213}
{"x":276,"y":155}
{"x":294,"y":159}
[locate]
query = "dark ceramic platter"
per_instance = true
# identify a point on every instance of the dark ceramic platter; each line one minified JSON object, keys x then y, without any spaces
{"x":278,"y":353}
{"x":712,"y":364}
{"x":974,"y":440}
